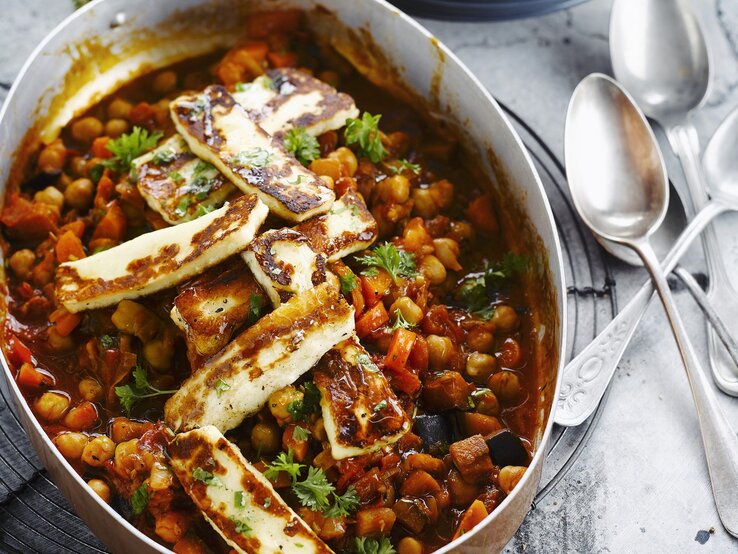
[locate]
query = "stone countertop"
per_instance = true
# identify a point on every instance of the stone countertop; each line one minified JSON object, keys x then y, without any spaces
{"x":641,"y":483}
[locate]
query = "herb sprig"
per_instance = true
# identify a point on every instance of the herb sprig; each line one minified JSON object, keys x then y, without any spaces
{"x":475,"y":292}
{"x":395,"y":261}
{"x":301,"y":410}
{"x":302,"y":145}
{"x":128,"y":147}
{"x":365,"y":133}
{"x":140,"y":389}
{"x":365,"y":545}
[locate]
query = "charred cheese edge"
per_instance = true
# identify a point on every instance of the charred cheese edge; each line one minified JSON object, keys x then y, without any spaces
{"x":287,"y":98}
{"x":239,"y":502}
{"x":219,"y":130}
{"x":284,"y":264}
{"x":267,"y":356}
{"x":211,"y":309}
{"x":158,"y":260}
{"x":361,"y":413}
{"x":347,"y":228}
{"x":177,"y":184}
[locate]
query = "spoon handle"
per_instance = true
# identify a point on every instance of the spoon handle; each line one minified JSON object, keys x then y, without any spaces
{"x":586,"y":377}
{"x":719,"y":440}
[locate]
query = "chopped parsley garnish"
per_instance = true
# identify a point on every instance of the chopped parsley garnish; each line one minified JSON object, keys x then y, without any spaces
{"x":176,"y":177}
{"x":302,"y":145}
{"x":348,"y":283}
{"x":366,"y":362}
{"x":404,"y":165}
{"x":203,"y":210}
{"x":132,"y":393}
{"x":204,"y":476}
{"x":163,"y":156}
{"x":301,"y":410}
{"x":475,"y":292}
{"x":267,"y":82}
{"x":239,"y":500}
{"x":284,"y":462}
{"x":267,"y":501}
{"x":365,"y":133}
{"x":401,"y":322}
{"x":107,"y":342}
{"x":395,"y":261}
{"x":255,"y":305}
{"x":128,"y":147}
{"x":221,"y":386}
{"x":242,"y":87}
{"x":96,"y":172}
{"x":256,"y":157}
{"x":241,"y":526}
{"x":380,"y":406}
{"x":183,"y":206}
{"x":300,"y":433}
{"x":365,"y":545}
{"x":344,"y":504}
{"x":140,"y":499}
{"x":314,"y":491}
{"x":296,"y":181}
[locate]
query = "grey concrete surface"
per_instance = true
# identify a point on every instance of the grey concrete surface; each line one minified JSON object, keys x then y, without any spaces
{"x":641,"y":484}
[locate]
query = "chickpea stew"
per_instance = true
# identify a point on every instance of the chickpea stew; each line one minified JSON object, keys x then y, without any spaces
{"x":258,"y":303}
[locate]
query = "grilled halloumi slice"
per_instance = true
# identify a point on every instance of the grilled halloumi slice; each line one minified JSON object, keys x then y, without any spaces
{"x":348,"y":227}
{"x":267,"y":356}
{"x":211,"y":309}
{"x":287,"y":98}
{"x":236,"y":499}
{"x":177,"y":184}
{"x":160,"y":259}
{"x":284,"y":264}
{"x":361,"y":413}
{"x":220,"y":131}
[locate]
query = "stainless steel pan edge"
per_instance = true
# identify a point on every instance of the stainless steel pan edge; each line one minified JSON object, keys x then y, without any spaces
{"x":425,"y":65}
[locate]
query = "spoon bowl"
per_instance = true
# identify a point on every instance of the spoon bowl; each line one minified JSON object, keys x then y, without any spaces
{"x":720,"y":161}
{"x":622,"y":191}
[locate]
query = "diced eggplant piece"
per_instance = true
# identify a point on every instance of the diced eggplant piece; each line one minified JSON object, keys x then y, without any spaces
{"x":471,"y":457}
{"x":506,"y":449}
{"x":434,"y":429}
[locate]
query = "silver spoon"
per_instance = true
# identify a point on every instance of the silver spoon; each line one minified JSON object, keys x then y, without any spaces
{"x":660,"y":55}
{"x":619,"y":187}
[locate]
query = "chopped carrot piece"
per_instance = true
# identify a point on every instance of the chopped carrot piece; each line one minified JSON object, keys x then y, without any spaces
{"x":371,"y":320}
{"x":473,"y":515}
{"x":32,"y":378}
{"x":69,"y":248}
{"x":18,"y":353}
{"x":105,"y":189}
{"x":112,"y":225}
{"x":482,"y":214}
{"x":400,"y":349}
{"x":405,"y":380}
{"x":100,"y":148}
{"x":142,"y":114}
{"x":263,"y":24}
{"x":30,"y":221}
{"x":257,"y":49}
{"x":375,"y":286}
{"x":282,"y":59}
{"x":77,"y":227}
{"x":64,"y":322}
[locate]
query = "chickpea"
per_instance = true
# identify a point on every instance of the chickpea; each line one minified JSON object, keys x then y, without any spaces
{"x":77,"y":167}
{"x":409,"y":545}
{"x":479,"y":366}
{"x":433,"y":269}
{"x":98,"y":451}
{"x":51,"y":406}
{"x":71,"y":445}
{"x":327,"y":166}
{"x":172,"y":526}
{"x":266,"y":437}
{"x":51,"y":196}
{"x":116,"y":127}
{"x":442,"y":193}
{"x":90,"y":389}
{"x":58,"y":343}
{"x":160,"y":351}
{"x":21,"y":263}
{"x":487,"y":403}
{"x":164,"y":82}
{"x":424,"y":205}
{"x":160,"y":477}
{"x":447,"y":251}
{"x":63,"y":182}
{"x":412,"y":313}
{"x":509,"y":477}
{"x":505,"y":318}
{"x":347,"y":158}
{"x":79,"y":194}
{"x":280,"y":400}
{"x":81,"y":417}
{"x":481,"y":340}
{"x":394,"y":189}
{"x":328,"y":180}
{"x":127,"y":458}
{"x":506,"y":386}
{"x":87,"y":129}
{"x":461,"y":230}
{"x":440,"y":350}
{"x":119,"y":109}
{"x":52,"y":157}
{"x":100,"y":488}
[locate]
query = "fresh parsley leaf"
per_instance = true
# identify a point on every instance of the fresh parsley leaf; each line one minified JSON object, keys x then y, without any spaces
{"x":128,"y":147}
{"x":132,"y":393}
{"x":96,"y":172}
{"x":366,"y":362}
{"x":203,"y":210}
{"x":163,"y":156}
{"x":284,"y":462}
{"x":107,"y":342}
{"x":267,"y":82}
{"x":176,"y":176}
{"x":380,"y":406}
{"x":301,"y":410}
{"x":296,"y":181}
{"x":267,"y":501}
{"x":348,"y":283}
{"x":314,"y":491}
{"x":404,"y":165}
{"x":140,"y":499}
{"x":365,"y":545}
{"x":239,"y":500}
{"x":256,"y":157}
{"x":255,"y":305}
{"x":476,"y":291}
{"x":242,"y":87}
{"x":365,"y":133}
{"x":510,"y":265}
{"x":241,"y":526}
{"x":344,"y":504}
{"x":302,"y":145}
{"x":204,"y":476}
{"x":221,"y":386}
{"x":183,"y":206}
{"x":395,"y":261}
{"x":300,"y":433}
{"x":401,"y":322}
